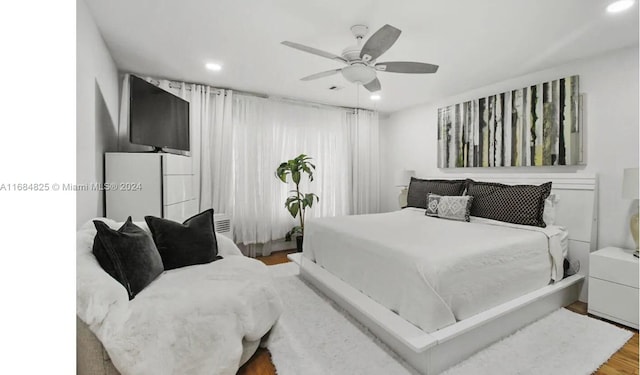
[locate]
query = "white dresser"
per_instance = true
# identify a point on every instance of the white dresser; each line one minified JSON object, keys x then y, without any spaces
{"x":613,"y":285}
{"x":156,"y":184}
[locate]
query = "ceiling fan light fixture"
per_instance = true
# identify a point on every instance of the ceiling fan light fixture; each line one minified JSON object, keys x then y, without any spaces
{"x":361,"y":59}
{"x":375,"y":97}
{"x":358,"y":73}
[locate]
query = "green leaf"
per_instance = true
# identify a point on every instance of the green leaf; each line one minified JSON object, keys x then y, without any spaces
{"x":282,"y":172}
{"x":309,"y":198}
{"x":294,"y":208}
{"x":297,"y":201}
{"x":291,"y":200}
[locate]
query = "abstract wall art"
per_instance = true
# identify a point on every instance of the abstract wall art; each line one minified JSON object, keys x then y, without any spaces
{"x":537,"y":125}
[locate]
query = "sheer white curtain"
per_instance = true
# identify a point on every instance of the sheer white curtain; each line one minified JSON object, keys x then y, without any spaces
{"x":365,"y":162}
{"x":238,"y":140}
{"x":216,"y":142}
{"x":267,"y":132}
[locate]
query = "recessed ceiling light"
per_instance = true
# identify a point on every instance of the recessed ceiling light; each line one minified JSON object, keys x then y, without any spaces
{"x":619,"y":6}
{"x":375,"y":97}
{"x":213,"y":66}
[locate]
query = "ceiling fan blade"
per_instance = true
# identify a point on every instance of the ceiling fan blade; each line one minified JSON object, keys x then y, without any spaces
{"x":406,"y":67}
{"x":314,"y":51}
{"x":320,"y":75}
{"x":373,"y":86}
{"x":379,"y":42}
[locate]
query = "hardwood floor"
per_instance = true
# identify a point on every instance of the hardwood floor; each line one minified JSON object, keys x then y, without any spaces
{"x":259,"y":364}
{"x":276,"y":257}
{"x":624,"y":361}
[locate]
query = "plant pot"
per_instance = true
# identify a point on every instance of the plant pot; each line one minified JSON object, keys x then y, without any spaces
{"x":299,"y":243}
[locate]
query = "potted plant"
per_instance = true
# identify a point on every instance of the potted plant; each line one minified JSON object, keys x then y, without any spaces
{"x":297,"y":202}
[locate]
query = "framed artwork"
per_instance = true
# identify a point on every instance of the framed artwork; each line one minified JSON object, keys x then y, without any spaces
{"x":537,"y":125}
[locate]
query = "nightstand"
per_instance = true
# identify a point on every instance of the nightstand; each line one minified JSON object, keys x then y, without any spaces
{"x":613,"y":285}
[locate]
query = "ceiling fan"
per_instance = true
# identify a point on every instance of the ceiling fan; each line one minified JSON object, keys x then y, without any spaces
{"x":361,"y":59}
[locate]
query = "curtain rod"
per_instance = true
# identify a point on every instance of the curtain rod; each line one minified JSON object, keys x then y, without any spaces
{"x":298,"y":101}
{"x":179,"y":85}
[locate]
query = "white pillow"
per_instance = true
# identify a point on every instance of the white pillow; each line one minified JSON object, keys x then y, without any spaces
{"x":550,"y":205}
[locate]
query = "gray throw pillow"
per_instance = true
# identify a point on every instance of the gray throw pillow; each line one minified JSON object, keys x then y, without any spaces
{"x":455,"y":208}
{"x":128,"y":255}
{"x":187,"y":244}
{"x":432,"y":204}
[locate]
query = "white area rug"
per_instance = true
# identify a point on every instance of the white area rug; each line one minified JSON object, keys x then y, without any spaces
{"x":315,"y":336}
{"x":284,"y":269}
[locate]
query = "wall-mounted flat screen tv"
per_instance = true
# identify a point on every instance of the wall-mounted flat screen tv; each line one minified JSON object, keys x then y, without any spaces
{"x":158,"y":118}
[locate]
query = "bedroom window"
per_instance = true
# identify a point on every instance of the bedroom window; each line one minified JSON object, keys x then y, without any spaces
{"x":237,"y":140}
{"x":253,"y":135}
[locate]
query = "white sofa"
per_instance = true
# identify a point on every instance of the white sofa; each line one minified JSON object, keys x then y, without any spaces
{"x":193,"y":320}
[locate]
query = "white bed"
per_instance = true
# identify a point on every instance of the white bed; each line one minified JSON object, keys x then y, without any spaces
{"x":330,"y":258}
{"x":432,"y":271}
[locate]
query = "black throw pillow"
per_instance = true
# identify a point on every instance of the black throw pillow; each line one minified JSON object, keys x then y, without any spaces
{"x":419,"y":189}
{"x":518,"y":204}
{"x":186,"y":244}
{"x":128,"y":255}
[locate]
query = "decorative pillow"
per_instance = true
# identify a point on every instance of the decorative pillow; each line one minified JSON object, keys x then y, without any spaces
{"x":432,"y":204}
{"x":455,"y":207}
{"x":450,"y":207}
{"x":418,"y":190}
{"x":128,"y":255}
{"x":550,"y":205}
{"x":518,"y":204}
{"x":186,"y":244}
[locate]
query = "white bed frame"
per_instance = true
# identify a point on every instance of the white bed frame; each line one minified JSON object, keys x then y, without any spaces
{"x":432,"y":353}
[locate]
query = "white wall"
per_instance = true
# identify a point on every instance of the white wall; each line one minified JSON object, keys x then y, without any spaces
{"x":610,"y":83}
{"x":96,"y":111}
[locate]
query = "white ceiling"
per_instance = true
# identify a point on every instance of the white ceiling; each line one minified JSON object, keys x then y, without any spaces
{"x":474,"y":42}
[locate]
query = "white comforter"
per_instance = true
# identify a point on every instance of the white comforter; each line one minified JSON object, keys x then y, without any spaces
{"x":434,"y":271}
{"x":190,"y":320}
